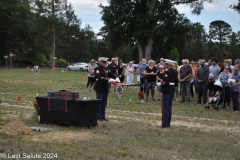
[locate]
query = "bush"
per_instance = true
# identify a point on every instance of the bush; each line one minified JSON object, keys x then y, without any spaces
{"x":61,"y":62}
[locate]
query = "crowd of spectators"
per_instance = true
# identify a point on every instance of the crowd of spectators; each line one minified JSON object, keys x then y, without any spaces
{"x":194,"y":79}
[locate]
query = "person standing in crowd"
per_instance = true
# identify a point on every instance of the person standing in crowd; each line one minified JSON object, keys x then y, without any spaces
{"x":214,"y":70}
{"x":223,"y":77}
{"x":202,"y":80}
{"x":164,"y":65}
{"x":194,"y":80}
{"x":121,"y":71}
{"x":230,"y":63}
{"x":225,"y":63}
{"x":130,"y":70}
{"x":91,"y":76}
{"x":160,"y":76}
{"x":168,"y":94}
{"x":235,"y":89}
{"x":114,"y":69}
{"x":140,"y":70}
{"x":116,"y":61}
{"x":185,"y":75}
{"x":150,"y":74}
{"x":101,"y":87}
{"x":176,"y":70}
{"x":237,"y":64}
{"x":138,"y":75}
{"x":160,"y":63}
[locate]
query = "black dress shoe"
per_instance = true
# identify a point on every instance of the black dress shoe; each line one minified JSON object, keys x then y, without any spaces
{"x":105,"y":119}
{"x":164,"y":126}
{"x":182,"y":101}
{"x":198,"y":102}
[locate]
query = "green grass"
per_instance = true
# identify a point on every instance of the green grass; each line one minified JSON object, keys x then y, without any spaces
{"x":132,"y":131}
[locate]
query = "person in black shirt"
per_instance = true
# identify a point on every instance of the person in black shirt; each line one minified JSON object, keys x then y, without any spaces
{"x":121,"y":71}
{"x":150,"y":74}
{"x":113,"y":67}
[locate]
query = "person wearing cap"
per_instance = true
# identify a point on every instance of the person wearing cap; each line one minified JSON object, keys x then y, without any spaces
{"x":91,"y":75}
{"x":214,"y":69}
{"x":113,"y":66}
{"x":168,"y":90}
{"x":102,"y":74}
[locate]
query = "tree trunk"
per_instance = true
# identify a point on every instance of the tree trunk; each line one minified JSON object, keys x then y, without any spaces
{"x":53,"y":36}
{"x":140,"y":50}
{"x":53,"y":49}
{"x":148,"y":49}
{"x":50,"y":59}
{"x":52,"y":52}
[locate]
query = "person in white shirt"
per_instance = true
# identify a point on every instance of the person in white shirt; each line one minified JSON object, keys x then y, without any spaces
{"x":214,"y":70}
{"x":130,"y":70}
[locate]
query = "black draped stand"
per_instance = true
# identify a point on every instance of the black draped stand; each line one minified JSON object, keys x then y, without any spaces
{"x":82,"y":113}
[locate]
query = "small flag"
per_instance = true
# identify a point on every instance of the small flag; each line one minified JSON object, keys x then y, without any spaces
{"x":37,"y":94}
{"x":18,"y":98}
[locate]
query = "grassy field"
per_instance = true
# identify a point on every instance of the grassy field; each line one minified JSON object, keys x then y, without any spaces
{"x":132,"y":131}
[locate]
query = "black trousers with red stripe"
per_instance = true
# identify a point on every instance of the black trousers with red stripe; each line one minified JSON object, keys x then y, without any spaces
{"x":167,"y":100}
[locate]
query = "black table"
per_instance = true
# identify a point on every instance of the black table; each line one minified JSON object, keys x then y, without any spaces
{"x":82,"y":113}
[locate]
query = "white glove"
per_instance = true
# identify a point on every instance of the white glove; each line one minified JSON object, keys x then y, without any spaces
{"x":117,"y":79}
{"x":158,"y":83}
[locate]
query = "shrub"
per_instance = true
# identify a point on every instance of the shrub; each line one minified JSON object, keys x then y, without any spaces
{"x":61,"y":62}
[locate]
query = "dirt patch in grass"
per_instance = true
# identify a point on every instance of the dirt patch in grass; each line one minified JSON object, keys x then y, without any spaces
{"x":204,"y":124}
{"x":15,"y":127}
{"x":62,"y":136}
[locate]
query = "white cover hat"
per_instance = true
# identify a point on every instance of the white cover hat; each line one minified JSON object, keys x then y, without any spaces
{"x":103,"y":59}
{"x":168,"y":61}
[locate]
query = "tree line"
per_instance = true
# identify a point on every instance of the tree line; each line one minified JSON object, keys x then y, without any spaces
{"x":36,"y":31}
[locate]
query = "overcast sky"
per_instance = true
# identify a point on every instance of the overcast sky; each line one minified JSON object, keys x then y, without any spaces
{"x":89,"y":13}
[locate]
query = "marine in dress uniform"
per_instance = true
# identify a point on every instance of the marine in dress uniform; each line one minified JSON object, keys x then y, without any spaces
{"x":168,"y":91}
{"x":102,"y":74}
